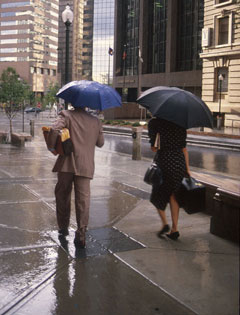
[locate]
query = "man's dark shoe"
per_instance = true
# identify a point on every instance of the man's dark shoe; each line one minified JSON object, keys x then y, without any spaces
{"x":63,"y":232}
{"x":79,"y":240}
{"x":63,"y":241}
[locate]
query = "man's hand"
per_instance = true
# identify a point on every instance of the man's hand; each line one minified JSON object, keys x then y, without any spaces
{"x":53,"y":151}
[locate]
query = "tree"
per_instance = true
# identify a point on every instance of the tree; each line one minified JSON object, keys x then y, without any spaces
{"x":50,"y":97}
{"x":13,"y":91}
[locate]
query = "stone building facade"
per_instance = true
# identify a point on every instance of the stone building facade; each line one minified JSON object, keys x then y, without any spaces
{"x":221,"y":59}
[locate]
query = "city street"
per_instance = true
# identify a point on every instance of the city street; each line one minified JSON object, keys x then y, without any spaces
{"x":126,"y":268}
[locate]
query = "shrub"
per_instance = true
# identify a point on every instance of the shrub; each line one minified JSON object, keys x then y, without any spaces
{"x":136,"y":124}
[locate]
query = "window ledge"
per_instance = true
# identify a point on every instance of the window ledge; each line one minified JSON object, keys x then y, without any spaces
{"x":217,"y":5}
{"x":223,"y":45}
{"x":222,"y":93}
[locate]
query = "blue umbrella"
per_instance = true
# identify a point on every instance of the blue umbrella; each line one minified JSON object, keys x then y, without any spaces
{"x":176,"y":105}
{"x":90,"y":94}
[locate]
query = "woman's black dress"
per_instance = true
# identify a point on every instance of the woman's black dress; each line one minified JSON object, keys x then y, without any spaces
{"x":170,"y":159}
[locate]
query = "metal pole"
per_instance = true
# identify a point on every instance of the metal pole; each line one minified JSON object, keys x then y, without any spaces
{"x":23,"y":106}
{"x":67,"y":57}
{"x":136,"y":149}
{"x":32,"y":128}
{"x":219,"y":111}
{"x":124,"y":72}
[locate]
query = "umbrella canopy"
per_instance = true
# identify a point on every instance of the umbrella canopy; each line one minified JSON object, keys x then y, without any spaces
{"x":90,"y":94}
{"x":178,"y":106}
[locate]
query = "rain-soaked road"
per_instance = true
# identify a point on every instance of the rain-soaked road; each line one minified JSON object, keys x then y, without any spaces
{"x":205,"y":158}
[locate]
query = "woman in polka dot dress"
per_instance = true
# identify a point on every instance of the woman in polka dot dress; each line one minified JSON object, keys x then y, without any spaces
{"x":172,"y":158}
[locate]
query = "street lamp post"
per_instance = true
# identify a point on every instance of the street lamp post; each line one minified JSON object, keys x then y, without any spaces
{"x":67,"y":17}
{"x":23,"y":106}
{"x":219,"y":120}
{"x":220,"y":79}
{"x":124,"y":71}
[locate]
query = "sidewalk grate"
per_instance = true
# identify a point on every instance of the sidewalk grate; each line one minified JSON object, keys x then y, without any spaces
{"x":138,"y":193}
{"x":114,"y":240}
{"x":101,"y":241}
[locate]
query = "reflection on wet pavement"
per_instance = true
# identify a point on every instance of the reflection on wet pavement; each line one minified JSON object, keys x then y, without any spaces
{"x":101,"y":285}
{"x":222,"y":161}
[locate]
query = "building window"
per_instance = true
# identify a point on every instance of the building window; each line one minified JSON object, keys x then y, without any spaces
{"x":189,"y":35}
{"x":130,"y":47}
{"x":8,"y":50}
{"x":7,"y":23}
{"x":219,"y":3}
{"x":157,"y":40}
{"x":8,"y":41}
{"x":8,"y":59}
{"x":14,"y":4}
{"x":4,"y":14}
{"x":223,"y":30}
{"x":222,"y":84}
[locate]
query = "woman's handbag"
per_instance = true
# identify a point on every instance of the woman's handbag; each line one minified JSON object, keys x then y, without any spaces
{"x":191,"y":195}
{"x":153,"y":175}
{"x":63,"y":145}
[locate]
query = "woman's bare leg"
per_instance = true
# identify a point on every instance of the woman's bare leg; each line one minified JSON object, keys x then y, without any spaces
{"x":163,"y":217}
{"x":174,"y":206}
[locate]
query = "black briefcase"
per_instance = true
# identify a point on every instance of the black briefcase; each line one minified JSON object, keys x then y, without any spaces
{"x":191,"y":195}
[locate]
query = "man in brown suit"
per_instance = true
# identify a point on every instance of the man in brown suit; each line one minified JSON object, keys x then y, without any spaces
{"x":78,"y":168}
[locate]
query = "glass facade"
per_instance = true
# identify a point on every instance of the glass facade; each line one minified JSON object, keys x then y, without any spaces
{"x":103,"y":39}
{"x":15,"y":4}
{"x":190,"y":24}
{"x":157,"y":21}
{"x":87,"y":42}
{"x":130,"y":48}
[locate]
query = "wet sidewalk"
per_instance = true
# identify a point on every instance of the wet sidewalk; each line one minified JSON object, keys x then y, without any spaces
{"x":125,"y":269}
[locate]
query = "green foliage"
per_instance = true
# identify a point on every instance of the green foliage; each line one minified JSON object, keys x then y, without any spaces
{"x":136,"y":124}
{"x":13,"y":90}
{"x":50,"y":97}
{"x":121,"y":123}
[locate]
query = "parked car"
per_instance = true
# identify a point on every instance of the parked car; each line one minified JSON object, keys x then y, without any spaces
{"x":33,"y":110}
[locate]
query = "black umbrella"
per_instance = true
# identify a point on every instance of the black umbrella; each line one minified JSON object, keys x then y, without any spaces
{"x":178,"y":106}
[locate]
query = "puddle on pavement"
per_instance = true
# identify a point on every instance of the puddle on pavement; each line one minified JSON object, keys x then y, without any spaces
{"x":22,"y":270}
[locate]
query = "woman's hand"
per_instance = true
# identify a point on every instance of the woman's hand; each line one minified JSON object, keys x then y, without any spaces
{"x":154,"y":149}
{"x":185,"y":152}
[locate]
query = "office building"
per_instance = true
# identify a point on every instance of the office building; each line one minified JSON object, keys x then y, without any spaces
{"x":29,"y":41}
{"x":87,"y":40}
{"x":103,"y":41}
{"x":221,"y":59}
{"x":91,"y":36}
{"x":157,"y":42}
